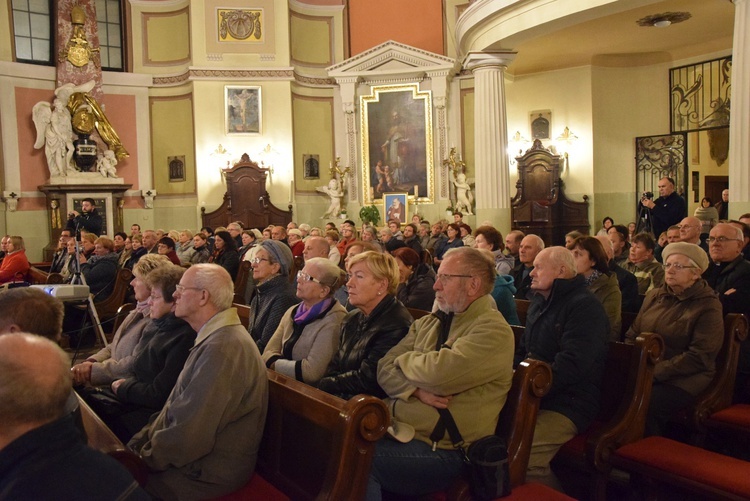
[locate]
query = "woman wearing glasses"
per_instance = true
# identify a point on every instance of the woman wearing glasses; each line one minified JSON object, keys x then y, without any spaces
{"x":274,"y":293}
{"x":687,"y":314}
{"x":308,"y":334}
{"x":367,"y":333}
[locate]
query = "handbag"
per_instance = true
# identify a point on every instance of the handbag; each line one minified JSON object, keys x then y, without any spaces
{"x":487,"y":462}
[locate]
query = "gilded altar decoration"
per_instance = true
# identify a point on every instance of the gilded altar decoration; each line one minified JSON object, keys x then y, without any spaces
{"x":240,"y":25}
{"x":84,"y":100}
{"x":78,"y":50}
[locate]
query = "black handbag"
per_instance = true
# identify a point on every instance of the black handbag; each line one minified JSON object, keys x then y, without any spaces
{"x":486,"y":459}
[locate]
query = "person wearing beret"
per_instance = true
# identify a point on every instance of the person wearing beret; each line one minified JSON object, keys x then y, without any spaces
{"x":686,"y":313}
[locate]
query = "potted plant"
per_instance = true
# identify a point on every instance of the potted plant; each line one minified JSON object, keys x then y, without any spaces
{"x":342,"y":214}
{"x":369,"y":214}
{"x":449,"y":212}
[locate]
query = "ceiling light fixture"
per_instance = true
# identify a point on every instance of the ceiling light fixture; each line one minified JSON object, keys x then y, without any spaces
{"x":664,"y":19}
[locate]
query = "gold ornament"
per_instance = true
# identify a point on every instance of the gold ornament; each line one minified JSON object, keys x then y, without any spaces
{"x":78,"y":51}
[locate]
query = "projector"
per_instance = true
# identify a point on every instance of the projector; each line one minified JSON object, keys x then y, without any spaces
{"x":66,"y":292}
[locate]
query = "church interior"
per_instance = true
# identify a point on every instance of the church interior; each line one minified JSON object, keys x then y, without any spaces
{"x":309,"y":89}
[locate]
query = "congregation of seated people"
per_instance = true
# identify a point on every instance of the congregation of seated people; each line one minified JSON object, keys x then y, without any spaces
{"x":417,"y":314}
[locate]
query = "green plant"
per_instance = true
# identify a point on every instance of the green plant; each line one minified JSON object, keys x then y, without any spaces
{"x":369,"y":214}
{"x":450,"y":208}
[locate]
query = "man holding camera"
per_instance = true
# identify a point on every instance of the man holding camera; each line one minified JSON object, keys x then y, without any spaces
{"x":89,"y":219}
{"x":668,"y":209}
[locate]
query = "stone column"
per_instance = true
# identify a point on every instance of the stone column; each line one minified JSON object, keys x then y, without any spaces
{"x":739,"y":124}
{"x":348,"y":92}
{"x":491,"y":137}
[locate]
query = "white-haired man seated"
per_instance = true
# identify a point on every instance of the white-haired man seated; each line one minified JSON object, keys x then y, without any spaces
{"x":204,"y":442}
{"x":566,"y":327}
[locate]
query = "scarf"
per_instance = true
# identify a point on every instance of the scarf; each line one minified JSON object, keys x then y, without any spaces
{"x":303,"y":313}
{"x":592,"y":278}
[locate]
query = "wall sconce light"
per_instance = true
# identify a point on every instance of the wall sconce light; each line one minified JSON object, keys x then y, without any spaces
{"x":222,"y":158}
{"x":267,"y":158}
{"x":516,"y":143}
{"x":563,"y":143}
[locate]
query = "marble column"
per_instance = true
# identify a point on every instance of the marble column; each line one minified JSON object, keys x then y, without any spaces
{"x":491,"y":137}
{"x":739,"y":124}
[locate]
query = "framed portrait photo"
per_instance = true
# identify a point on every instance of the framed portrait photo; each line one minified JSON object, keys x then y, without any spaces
{"x":397,"y":151}
{"x":242,"y":105}
{"x":395,"y":207}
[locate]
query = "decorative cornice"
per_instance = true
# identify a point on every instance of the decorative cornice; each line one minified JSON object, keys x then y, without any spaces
{"x":229,"y":74}
{"x":498,"y":59}
{"x":171,"y":80}
{"x":316,"y":81}
{"x":390,"y":46}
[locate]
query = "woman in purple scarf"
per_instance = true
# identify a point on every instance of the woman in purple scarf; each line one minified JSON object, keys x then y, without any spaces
{"x":308,"y":334}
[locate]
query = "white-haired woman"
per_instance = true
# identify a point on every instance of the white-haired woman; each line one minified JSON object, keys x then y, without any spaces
{"x":308,"y":335}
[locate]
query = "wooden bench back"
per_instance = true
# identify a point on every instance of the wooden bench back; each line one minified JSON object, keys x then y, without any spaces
{"x":122,"y":312}
{"x":40,"y":276}
{"x":718,"y":394}
{"x":522,"y":309}
{"x":243,"y":311}
{"x":107,"y":308}
{"x":101,"y":438}
{"x":417,"y":314}
{"x":240,"y":283}
{"x":317,"y":446}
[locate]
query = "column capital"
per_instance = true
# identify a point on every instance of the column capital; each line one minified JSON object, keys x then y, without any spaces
{"x":498,"y":59}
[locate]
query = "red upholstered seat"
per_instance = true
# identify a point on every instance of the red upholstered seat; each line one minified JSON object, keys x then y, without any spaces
{"x":532,"y":491}
{"x":738,"y":415}
{"x":256,"y":489}
{"x":577,"y":445}
{"x":700,"y":466}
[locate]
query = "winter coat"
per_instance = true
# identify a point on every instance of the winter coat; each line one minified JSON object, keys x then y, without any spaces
{"x":417,"y":292}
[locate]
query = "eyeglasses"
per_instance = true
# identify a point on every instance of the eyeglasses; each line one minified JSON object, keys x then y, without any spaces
{"x":443,"y":277}
{"x":257,"y":260}
{"x":721,"y":240}
{"x":305,"y":277}
{"x":677,"y":266}
{"x":181,"y":288}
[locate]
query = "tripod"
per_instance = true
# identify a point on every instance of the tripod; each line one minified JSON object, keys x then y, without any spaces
{"x":644,"y":220}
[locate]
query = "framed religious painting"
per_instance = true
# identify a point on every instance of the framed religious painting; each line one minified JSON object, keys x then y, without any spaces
{"x":395,"y":207}
{"x":397,"y":151}
{"x":242,"y":107}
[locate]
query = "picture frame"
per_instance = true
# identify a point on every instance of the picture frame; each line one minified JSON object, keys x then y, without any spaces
{"x":311,"y":166}
{"x":243,"y":110}
{"x":540,"y":124}
{"x":396,"y":206}
{"x":176,"y":168}
{"x":396,"y":125}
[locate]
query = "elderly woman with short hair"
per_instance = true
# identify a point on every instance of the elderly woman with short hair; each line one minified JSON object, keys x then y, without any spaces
{"x":368,"y":332}
{"x":184,"y":246}
{"x":274,"y":293}
{"x":308,"y":335}
{"x":687,"y":314}
{"x":487,"y":237}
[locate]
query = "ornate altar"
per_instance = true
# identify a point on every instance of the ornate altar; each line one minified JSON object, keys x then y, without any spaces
{"x":540,"y":205}
{"x":246,"y":199}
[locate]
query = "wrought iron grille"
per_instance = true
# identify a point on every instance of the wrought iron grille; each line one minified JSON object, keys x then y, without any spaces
{"x":700,"y":95}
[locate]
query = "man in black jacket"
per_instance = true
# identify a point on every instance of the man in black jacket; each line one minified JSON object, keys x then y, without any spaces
{"x":668,"y":209}
{"x":88,"y":219}
{"x":729,"y":275}
{"x":566,"y":327}
{"x":530,"y":247}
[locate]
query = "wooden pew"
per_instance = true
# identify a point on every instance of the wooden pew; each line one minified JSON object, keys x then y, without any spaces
{"x":243,"y":311}
{"x":625,"y":394}
{"x":39,"y":276}
{"x":718,"y":394}
{"x":531,"y":381}
{"x":522,"y":308}
{"x":315,"y":445}
{"x":417,"y":314}
{"x":101,"y":438}
{"x":240,"y":283}
{"x":107,"y":308}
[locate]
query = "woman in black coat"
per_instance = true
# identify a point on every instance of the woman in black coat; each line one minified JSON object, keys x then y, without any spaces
{"x":367,"y":333}
{"x":416,"y":280}
{"x":225,"y":253}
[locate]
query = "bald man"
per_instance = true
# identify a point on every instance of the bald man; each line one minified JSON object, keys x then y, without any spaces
{"x":530,"y":246}
{"x":41,"y":452}
{"x":316,"y":247}
{"x":566,"y":327}
{"x":690,"y":232}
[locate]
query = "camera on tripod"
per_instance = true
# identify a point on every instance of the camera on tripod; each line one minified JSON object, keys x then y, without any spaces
{"x":647,"y":195}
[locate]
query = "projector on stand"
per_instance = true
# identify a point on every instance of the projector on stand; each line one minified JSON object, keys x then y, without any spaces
{"x":66,"y":292}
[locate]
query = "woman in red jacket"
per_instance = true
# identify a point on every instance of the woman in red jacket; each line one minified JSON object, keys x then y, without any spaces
{"x":15,"y":261}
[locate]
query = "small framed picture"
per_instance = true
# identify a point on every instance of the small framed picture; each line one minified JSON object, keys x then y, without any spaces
{"x":242,"y":105}
{"x":311,"y":166}
{"x":540,"y":123}
{"x":176,"y":168}
{"x":395,"y":207}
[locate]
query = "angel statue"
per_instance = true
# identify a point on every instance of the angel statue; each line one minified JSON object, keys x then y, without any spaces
{"x":464,"y":197}
{"x":55,"y":132}
{"x":336,"y":193}
{"x":105,"y":163}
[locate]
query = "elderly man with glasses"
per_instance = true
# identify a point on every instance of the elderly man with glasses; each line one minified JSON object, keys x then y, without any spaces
{"x":460,"y":359}
{"x":729,"y":275}
{"x":204,"y":442}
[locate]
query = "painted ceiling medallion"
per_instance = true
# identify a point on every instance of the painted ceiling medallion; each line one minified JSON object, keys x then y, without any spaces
{"x":664,"y":19}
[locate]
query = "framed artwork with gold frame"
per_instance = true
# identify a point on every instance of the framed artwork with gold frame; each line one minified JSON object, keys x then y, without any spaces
{"x":397,"y":151}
